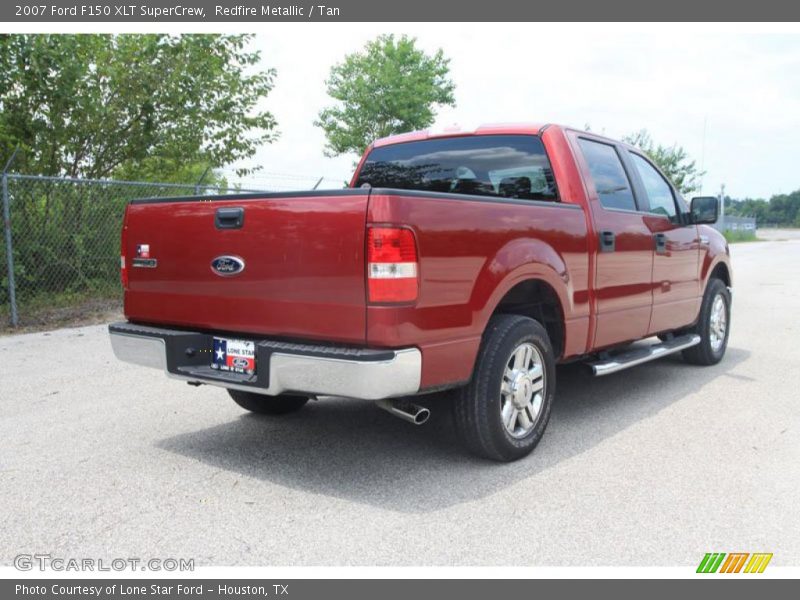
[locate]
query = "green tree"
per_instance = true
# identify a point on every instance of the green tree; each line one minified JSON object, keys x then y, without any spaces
{"x":673,"y":160}
{"x":390,"y":87}
{"x":780,"y":209}
{"x":785,"y":208}
{"x":747,"y":207}
{"x":140,"y":106}
{"x":169,"y":170}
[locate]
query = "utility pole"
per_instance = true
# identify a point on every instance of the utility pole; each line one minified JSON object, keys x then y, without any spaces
{"x":703,"y":153}
{"x":12,"y":288}
{"x":722,"y":205}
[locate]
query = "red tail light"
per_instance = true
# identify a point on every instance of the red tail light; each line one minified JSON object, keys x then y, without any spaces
{"x":391,"y":264}
{"x":123,"y":269}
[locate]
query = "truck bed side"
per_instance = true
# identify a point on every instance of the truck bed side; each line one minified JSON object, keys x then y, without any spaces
{"x":473,"y":251}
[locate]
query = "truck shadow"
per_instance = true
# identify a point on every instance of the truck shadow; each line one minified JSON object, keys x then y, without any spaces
{"x":351,"y":450}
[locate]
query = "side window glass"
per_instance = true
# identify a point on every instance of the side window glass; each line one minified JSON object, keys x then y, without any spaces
{"x":658,"y":191}
{"x":610,"y":180}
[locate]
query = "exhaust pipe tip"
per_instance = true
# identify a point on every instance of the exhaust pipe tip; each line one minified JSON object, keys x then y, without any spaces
{"x":422,"y":416}
{"x":408,"y":411}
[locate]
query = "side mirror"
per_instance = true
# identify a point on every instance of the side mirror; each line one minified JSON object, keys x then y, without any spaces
{"x":704,"y":209}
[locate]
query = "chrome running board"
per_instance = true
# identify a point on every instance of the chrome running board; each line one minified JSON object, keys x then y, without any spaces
{"x":637,"y":356}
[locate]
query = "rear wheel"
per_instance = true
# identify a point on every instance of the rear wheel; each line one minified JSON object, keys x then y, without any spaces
{"x":713,"y":326}
{"x":268,"y":405}
{"x":502,"y":413}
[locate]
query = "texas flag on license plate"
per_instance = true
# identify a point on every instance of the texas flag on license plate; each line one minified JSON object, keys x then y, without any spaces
{"x":234,"y":355}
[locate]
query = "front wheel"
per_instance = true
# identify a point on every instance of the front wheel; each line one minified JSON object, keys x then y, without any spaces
{"x":268,"y":405}
{"x":713,"y":326}
{"x":502,"y":413}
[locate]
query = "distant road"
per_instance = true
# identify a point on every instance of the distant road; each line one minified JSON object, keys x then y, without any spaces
{"x":778,"y":234}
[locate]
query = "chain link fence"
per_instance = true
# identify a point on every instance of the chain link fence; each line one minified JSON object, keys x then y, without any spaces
{"x":286,"y":182}
{"x":61,"y":248}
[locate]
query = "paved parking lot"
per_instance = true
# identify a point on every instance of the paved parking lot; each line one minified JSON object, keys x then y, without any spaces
{"x":652,"y":466}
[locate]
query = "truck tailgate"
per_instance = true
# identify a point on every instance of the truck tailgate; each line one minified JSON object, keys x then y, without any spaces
{"x":303,"y":257}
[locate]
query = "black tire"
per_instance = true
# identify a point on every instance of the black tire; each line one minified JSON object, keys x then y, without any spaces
{"x":478,"y":407}
{"x":268,"y":405}
{"x":705,"y":353}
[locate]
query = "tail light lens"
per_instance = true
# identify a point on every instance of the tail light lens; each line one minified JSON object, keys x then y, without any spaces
{"x":391,"y":264}
{"x":123,"y":269}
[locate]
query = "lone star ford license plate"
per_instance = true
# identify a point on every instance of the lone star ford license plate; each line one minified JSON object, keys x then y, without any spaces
{"x":238,"y":356}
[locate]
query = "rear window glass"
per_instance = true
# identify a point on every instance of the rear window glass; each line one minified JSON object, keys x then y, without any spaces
{"x":610,"y":179}
{"x":506,"y":166}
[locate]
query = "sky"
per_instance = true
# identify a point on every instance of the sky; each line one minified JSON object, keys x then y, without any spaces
{"x":730,"y":97}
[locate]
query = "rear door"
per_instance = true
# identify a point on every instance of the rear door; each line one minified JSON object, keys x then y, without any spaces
{"x":624,"y":259}
{"x":676,"y":262}
{"x":284,"y":265}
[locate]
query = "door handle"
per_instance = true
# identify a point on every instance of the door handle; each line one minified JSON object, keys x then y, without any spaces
{"x":661,"y":243}
{"x":607,"y":241}
{"x":229,"y":218}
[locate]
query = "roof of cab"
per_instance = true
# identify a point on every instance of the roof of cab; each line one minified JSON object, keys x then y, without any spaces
{"x":489,"y":129}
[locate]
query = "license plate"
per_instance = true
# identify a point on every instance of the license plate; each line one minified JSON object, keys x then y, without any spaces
{"x":238,"y":356}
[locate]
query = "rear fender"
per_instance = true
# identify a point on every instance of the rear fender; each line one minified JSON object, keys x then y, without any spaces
{"x":521,"y":260}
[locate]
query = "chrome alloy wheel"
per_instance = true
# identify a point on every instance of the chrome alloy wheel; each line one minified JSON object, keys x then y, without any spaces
{"x":522,"y":390}
{"x":718,"y":323}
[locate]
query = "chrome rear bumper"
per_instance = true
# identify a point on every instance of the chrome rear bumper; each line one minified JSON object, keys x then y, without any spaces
{"x":281,"y":367}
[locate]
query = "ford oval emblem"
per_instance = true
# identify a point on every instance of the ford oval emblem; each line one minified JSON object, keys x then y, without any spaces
{"x":227,"y":266}
{"x":240,"y":363}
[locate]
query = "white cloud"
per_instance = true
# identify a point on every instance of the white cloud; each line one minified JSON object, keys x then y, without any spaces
{"x":669,"y":79}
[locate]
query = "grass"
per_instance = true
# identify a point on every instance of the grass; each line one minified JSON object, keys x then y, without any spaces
{"x":62,"y":309}
{"x":737,"y":236}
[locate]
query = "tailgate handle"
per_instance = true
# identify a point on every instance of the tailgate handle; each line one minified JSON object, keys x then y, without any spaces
{"x":229,"y":218}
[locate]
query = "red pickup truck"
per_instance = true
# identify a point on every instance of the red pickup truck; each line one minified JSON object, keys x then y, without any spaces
{"x":473,"y":261}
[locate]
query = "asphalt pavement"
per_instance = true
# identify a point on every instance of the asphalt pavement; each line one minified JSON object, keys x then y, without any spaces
{"x":652,"y":466}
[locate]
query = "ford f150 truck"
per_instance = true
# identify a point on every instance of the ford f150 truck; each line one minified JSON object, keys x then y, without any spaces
{"x":465,"y":261}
